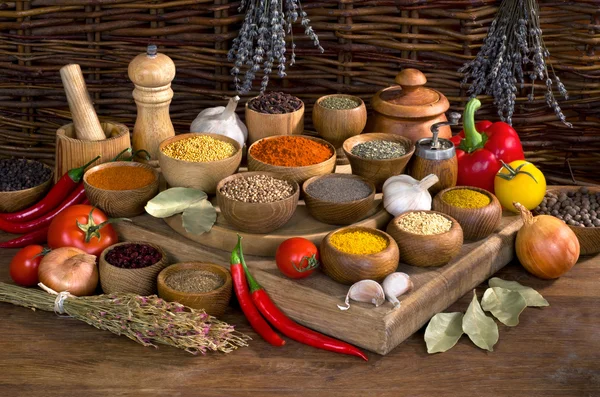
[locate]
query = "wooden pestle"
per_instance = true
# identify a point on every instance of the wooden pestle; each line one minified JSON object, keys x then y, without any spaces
{"x":86,"y":122}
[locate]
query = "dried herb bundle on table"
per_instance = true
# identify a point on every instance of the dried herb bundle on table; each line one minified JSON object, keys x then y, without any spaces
{"x":514,"y":41}
{"x":147,"y":320}
{"x":260,"y":44}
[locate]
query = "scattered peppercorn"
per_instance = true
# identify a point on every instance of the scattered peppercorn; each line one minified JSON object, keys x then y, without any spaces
{"x":199,"y":148}
{"x":133,"y":256}
{"x":424,"y":223}
{"x":338,"y":189}
{"x":257,"y":189}
{"x":20,"y":174}
{"x":194,"y":281}
{"x":379,"y":150}
{"x":580,"y":208}
{"x":275,"y":103}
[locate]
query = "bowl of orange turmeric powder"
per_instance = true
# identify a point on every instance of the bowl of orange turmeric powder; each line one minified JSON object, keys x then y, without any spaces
{"x":121,"y":188}
{"x":292,"y":157}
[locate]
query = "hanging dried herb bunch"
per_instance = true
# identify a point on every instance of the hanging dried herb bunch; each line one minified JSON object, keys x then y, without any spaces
{"x":514,"y":40}
{"x":147,"y":320}
{"x":260,"y":44}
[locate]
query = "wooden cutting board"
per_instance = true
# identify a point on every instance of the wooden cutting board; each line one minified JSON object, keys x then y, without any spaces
{"x":313,"y":301}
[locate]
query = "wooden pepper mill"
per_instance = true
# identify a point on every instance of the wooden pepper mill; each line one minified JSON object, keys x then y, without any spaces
{"x":436,"y":156}
{"x":152,"y":73}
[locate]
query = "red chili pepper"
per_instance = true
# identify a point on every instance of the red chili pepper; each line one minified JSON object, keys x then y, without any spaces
{"x":288,"y":327}
{"x":243,"y":295}
{"x":39,"y":236}
{"x":481,"y":146}
{"x":65,"y":185}
{"x":75,"y":197}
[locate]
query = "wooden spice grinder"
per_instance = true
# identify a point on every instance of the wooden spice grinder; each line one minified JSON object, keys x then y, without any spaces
{"x":79,"y":142}
{"x":152,"y":74}
{"x":436,"y":156}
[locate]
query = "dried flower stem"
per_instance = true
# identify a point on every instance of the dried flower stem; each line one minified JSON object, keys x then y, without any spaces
{"x":261,"y":40}
{"x":147,"y":320}
{"x":513,"y":40}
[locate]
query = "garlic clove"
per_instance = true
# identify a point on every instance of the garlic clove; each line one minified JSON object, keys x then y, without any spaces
{"x":364,"y":291}
{"x":395,"y":285}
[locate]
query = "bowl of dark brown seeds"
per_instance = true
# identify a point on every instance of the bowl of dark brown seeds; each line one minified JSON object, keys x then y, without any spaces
{"x":578,"y":207}
{"x":199,"y":285}
{"x":274,"y":113}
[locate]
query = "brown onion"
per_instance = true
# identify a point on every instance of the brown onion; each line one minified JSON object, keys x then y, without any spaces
{"x":69,"y":269}
{"x":545,"y":245}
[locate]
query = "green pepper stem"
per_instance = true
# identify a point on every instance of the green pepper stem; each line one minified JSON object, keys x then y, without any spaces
{"x":252,"y":283}
{"x":118,"y":156}
{"x":76,"y":174}
{"x":473,"y":139}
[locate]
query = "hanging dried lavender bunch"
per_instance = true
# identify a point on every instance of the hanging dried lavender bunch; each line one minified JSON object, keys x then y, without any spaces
{"x":261,"y":41}
{"x":513,"y":40}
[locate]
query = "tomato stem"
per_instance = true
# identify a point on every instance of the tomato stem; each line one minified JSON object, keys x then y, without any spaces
{"x":512,"y":172}
{"x":312,"y":261}
{"x":91,"y":229}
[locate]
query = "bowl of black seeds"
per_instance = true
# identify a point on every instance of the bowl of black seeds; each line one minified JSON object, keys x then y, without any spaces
{"x":338,"y":199}
{"x":131,"y":267}
{"x":22,"y":183}
{"x":578,"y":207}
{"x":377,"y":156}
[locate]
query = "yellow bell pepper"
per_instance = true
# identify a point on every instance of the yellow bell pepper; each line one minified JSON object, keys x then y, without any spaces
{"x":522,"y":182}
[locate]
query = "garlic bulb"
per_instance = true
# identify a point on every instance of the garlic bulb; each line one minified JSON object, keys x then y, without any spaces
{"x":396,"y":284}
{"x":222,"y":120}
{"x":403,"y":193}
{"x":364,"y":291}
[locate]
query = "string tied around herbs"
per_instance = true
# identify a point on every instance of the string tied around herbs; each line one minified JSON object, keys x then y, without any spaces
{"x":260,"y":44}
{"x":60,"y":299}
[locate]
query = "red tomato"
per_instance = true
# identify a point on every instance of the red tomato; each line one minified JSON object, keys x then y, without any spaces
{"x":65,"y":232}
{"x":24,"y":265}
{"x":297,"y":257}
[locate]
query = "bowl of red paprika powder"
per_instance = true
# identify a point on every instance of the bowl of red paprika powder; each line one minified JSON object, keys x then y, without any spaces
{"x":292,"y":157}
{"x":121,"y":188}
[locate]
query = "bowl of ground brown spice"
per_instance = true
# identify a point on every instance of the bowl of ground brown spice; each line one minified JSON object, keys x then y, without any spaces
{"x":292,"y":157}
{"x":121,"y":188}
{"x":197,"y":285}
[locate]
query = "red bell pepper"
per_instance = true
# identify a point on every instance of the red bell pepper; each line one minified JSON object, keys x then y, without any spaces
{"x":481,"y":146}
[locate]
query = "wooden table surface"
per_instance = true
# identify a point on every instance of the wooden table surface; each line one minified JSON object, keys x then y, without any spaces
{"x":554,"y":351}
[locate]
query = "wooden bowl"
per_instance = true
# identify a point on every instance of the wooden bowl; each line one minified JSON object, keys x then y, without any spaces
{"x":589,"y":237}
{"x":296,"y":174}
{"x":140,"y":281}
{"x":120,"y":203}
{"x":213,"y":302}
{"x":333,"y":213}
{"x":72,"y":152}
{"x":262,"y":125}
{"x":477,"y":223}
{"x":17,"y":200}
{"x":378,"y":171}
{"x":199,"y":175}
{"x":349,"y":268}
{"x":257,"y":217}
{"x":427,"y":250}
{"x":337,"y":125}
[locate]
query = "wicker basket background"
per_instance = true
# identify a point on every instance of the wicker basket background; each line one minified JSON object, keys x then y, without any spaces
{"x":366,"y":41}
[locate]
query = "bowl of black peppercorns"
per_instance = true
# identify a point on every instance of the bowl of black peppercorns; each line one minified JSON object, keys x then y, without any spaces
{"x":22,"y":183}
{"x":578,"y":207}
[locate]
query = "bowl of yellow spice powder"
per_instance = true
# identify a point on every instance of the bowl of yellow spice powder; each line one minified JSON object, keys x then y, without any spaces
{"x":478,"y":211}
{"x":198,"y":160}
{"x":121,"y":188}
{"x":355,"y":253}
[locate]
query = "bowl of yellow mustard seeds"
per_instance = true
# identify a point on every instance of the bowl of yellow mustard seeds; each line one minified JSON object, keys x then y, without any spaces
{"x":199,"y":160}
{"x":355,"y":253}
{"x":476,"y":210}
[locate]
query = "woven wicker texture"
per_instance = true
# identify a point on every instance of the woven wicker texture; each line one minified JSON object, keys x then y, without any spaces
{"x":366,"y":43}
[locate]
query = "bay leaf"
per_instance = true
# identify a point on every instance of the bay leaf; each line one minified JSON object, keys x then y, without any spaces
{"x":481,"y":329}
{"x":532,"y":297}
{"x":443,"y":331}
{"x":199,"y":217}
{"x":173,"y":201}
{"x":504,"y":304}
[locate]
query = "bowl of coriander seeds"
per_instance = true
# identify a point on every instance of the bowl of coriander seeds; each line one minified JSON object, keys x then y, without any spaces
{"x":257,"y":202}
{"x":198,"y":160}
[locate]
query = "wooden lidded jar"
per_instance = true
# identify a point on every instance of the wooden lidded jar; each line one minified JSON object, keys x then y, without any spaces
{"x":436,"y":156}
{"x":152,"y":73}
{"x":409,"y":109}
